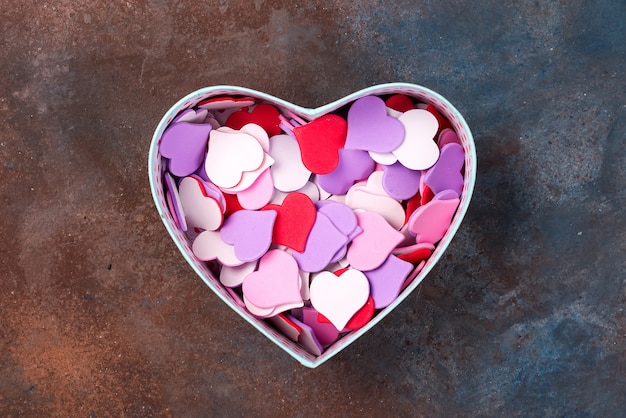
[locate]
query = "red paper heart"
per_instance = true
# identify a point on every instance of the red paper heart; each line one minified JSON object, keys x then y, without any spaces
{"x":399,"y":103}
{"x":427,"y":195}
{"x":294,"y":221}
{"x":232,"y":204}
{"x":443,"y":122}
{"x":265,"y":115}
{"x":320,"y":141}
{"x":411,"y":205}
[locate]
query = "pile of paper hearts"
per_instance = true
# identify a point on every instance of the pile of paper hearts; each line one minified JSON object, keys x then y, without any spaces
{"x":312,"y":224}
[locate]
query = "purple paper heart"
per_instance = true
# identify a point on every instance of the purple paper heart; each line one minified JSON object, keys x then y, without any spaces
{"x":353,"y":165}
{"x":339,"y":254}
{"x":185,"y":145}
{"x":446,"y":173}
{"x":344,"y":250}
{"x":324,"y":241}
{"x":386,"y":281}
{"x":370,"y":128}
{"x":250,"y":232}
{"x":340,"y":215}
{"x":400,"y":182}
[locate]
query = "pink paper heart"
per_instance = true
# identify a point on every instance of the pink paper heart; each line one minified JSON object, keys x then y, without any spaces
{"x":370,"y":249}
{"x":200,"y":210}
{"x":288,"y":171}
{"x":275,"y":283}
{"x":234,"y":276}
{"x":259,"y":194}
{"x":418,"y":151}
{"x":208,"y":246}
{"x":230,"y":155}
{"x":430,"y":222}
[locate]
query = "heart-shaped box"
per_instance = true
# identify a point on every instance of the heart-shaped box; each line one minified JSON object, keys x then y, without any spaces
{"x":157,"y":166}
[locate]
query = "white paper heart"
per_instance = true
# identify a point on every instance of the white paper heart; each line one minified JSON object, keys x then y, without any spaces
{"x":339,"y":298}
{"x":156,"y":169}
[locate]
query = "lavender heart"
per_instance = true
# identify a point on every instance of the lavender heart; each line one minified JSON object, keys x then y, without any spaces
{"x":185,"y":146}
{"x":370,"y":128}
{"x":324,"y":241}
{"x":386,"y":281}
{"x":340,"y":215}
{"x":446,"y":173}
{"x":400,"y":182}
{"x":250,"y":232}
{"x":353,"y":165}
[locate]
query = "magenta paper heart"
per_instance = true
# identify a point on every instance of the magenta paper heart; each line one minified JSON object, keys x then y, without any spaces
{"x":270,"y":293}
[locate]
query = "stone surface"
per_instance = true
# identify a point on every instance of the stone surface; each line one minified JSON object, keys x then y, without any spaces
{"x":100,"y":315}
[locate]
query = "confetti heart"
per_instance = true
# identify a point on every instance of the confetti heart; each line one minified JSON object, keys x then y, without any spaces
{"x":264,"y":115}
{"x":446,"y":173}
{"x":324,"y":241}
{"x":230,"y":155}
{"x":353,"y":165}
{"x":250,"y":232}
{"x":234,"y":276}
{"x":270,"y":293}
{"x":371,"y":248}
{"x":296,"y":217}
{"x":320,"y":142}
{"x":259,"y":194}
{"x":326,"y":332}
{"x":372,"y":197}
{"x":275,"y":283}
{"x":369,"y":127}
{"x":289,"y":172}
{"x":339,"y":298}
{"x":210,"y":246}
{"x":400,"y":182}
{"x":430,"y":222}
{"x":185,"y":146}
{"x":200,"y":210}
{"x":386,"y":280}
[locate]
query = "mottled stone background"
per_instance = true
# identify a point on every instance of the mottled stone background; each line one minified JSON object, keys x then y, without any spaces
{"x":101,"y":316}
